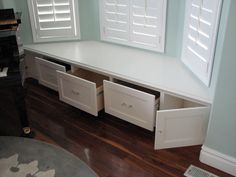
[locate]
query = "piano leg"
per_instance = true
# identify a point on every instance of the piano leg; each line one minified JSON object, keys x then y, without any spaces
{"x":20,"y":105}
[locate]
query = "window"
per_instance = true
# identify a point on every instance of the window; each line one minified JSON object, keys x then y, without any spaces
{"x":201,"y":27}
{"x":54,"y":20}
{"x":138,"y":23}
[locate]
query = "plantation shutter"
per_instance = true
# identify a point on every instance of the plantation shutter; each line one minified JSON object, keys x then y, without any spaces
{"x":146,"y":22}
{"x":138,"y":23}
{"x":201,"y":27}
{"x":54,"y":19}
{"x":115,"y":20}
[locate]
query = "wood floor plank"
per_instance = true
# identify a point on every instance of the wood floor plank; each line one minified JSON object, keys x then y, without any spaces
{"x":110,"y":146}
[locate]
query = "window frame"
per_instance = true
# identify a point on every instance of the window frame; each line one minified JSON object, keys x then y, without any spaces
{"x":39,"y":39}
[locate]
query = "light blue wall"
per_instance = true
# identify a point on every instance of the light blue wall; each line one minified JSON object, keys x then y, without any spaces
{"x":89,"y":19}
{"x":219,"y":45}
{"x":222,"y":127}
{"x":89,"y":22}
{"x":8,"y":4}
{"x":174,"y":27}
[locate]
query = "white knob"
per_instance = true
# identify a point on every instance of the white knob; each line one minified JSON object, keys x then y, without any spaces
{"x":130,"y":106}
{"x":124,"y":104}
{"x":75,"y":92}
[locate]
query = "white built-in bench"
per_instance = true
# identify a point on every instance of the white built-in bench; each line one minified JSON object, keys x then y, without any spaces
{"x":144,"y":88}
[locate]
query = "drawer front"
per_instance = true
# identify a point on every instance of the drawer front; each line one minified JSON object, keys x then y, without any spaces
{"x":129,"y":104}
{"x":78,"y":92}
{"x":47,"y":72}
{"x":181,"y":127}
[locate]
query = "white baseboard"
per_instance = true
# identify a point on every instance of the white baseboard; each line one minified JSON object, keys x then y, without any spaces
{"x":218,"y":160}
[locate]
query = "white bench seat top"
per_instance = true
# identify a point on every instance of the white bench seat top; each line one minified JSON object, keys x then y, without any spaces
{"x":147,"y":69}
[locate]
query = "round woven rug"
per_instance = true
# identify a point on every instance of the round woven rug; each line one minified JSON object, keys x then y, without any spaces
{"x":22,"y":157}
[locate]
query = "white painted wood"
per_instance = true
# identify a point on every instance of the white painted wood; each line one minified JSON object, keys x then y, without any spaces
{"x":100,"y":98}
{"x":218,"y":160}
{"x":80,"y":93}
{"x":200,"y":34}
{"x":31,"y":70}
{"x":114,"y":20}
{"x":147,"y":24}
{"x":129,"y":104}
{"x":153,"y":71}
{"x":183,"y":123}
{"x":47,"y":72}
{"x":54,"y":21}
{"x":173,"y":102}
{"x":134,"y":23}
{"x":170,"y":102}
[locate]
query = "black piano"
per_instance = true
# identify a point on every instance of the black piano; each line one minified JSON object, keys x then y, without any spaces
{"x":13,"y":115}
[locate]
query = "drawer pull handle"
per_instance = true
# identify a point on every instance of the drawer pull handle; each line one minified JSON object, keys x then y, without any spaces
{"x":126,"y":105}
{"x":130,"y":106}
{"x":75,"y":92}
{"x":123,"y":104}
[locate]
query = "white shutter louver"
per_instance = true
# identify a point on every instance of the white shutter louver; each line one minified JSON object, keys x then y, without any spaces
{"x":54,"y":20}
{"x":138,"y":23}
{"x":147,"y":23}
{"x":201,"y":27}
{"x":115,"y":20}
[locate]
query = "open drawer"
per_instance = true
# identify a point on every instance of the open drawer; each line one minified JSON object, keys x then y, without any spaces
{"x":82,"y":89}
{"x":180,"y":123}
{"x":131,"y":103}
{"x":47,"y":72}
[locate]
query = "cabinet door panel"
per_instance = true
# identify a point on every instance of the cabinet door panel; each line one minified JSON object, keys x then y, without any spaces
{"x":78,"y":92}
{"x":47,"y":72}
{"x":181,"y":127}
{"x":129,"y":104}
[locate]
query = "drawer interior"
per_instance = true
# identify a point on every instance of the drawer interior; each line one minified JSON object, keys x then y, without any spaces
{"x":89,"y":75}
{"x":137,"y":87}
{"x":172,"y":102}
{"x":67,"y":66}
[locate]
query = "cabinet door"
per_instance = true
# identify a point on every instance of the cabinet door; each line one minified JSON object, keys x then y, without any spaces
{"x":47,"y":72}
{"x":129,"y":104}
{"x":181,"y":127}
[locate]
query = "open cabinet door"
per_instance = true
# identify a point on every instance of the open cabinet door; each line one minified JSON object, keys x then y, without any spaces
{"x":181,"y":127}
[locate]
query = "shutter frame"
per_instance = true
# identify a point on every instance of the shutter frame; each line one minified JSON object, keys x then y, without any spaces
{"x":199,"y":58}
{"x":103,"y":21}
{"x":58,"y":28}
{"x":159,"y":40}
{"x":152,"y":21}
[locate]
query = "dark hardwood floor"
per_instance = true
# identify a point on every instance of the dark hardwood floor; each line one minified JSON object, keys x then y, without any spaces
{"x":110,"y":146}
